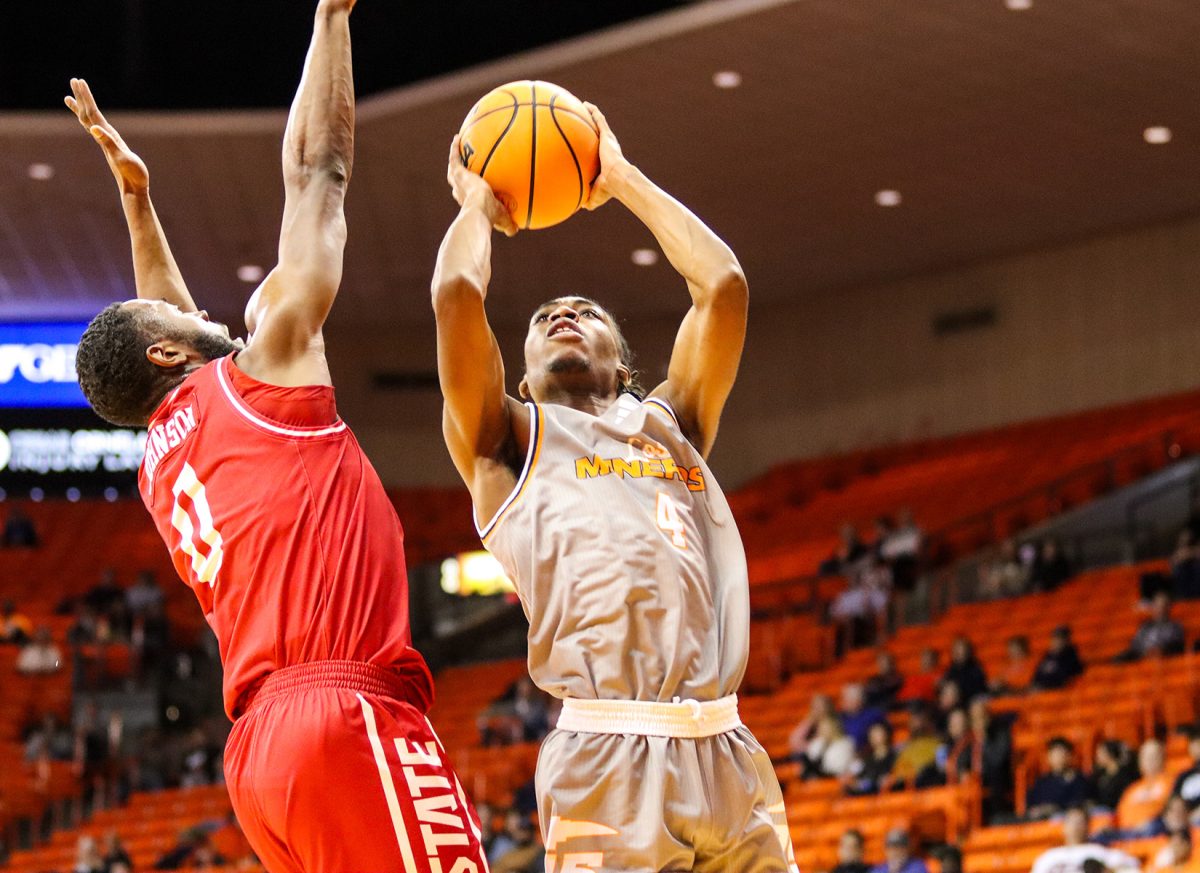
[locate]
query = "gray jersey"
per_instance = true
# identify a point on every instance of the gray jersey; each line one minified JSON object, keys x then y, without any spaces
{"x":626,"y":558}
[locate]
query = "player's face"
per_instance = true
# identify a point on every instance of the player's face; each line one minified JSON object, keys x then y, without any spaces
{"x":209,"y":337}
{"x":568,"y":338}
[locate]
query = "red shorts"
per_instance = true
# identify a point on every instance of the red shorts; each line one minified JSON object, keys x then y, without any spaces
{"x":330,"y":771}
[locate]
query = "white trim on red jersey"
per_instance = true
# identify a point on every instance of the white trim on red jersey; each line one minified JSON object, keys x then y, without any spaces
{"x":247,"y":413}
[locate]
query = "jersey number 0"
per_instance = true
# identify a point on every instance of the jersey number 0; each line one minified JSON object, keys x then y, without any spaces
{"x":192,"y":517}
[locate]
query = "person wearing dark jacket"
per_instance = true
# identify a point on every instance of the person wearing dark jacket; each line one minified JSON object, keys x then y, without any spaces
{"x":1061,"y":664}
{"x":1114,"y":771}
{"x":1187,"y":784}
{"x":965,"y":671}
{"x":1060,"y":788}
{"x":850,"y":853}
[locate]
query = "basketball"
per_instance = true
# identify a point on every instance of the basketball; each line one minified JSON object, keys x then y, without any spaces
{"x":536,"y":145}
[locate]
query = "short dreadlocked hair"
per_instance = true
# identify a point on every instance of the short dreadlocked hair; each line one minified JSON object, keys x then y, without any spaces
{"x":633,"y":385}
{"x":122,"y":386}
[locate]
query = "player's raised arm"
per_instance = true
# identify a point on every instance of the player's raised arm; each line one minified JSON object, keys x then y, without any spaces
{"x":286,"y":314}
{"x":709,"y":344}
{"x":155,"y":272}
{"x":477,"y":417}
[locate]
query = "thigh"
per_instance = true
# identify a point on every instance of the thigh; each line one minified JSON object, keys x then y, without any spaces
{"x":349,"y":782}
{"x":603,"y":802}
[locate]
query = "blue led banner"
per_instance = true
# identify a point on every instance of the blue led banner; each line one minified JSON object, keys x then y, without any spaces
{"x":37,"y":364}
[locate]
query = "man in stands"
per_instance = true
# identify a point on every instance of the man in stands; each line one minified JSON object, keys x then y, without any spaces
{"x":1157,"y":635}
{"x":1062,"y":786}
{"x":1187,"y":784}
{"x":850,"y":853}
{"x":1075,"y":850}
{"x":919,"y":752}
{"x":1137,"y":813}
{"x":1176,"y":855}
{"x":898,"y":855}
{"x":41,"y":656}
{"x":1061,"y":663}
{"x":922,"y":685}
{"x":857,"y":716}
{"x":882,"y":688}
{"x":15,"y":628}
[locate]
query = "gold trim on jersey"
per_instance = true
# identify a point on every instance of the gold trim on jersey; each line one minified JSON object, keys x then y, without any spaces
{"x":537,"y":424}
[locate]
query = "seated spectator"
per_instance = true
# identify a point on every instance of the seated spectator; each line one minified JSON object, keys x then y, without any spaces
{"x":1018,"y":667}
{"x":993,"y":750}
{"x":857,"y":717}
{"x":882,"y":688}
{"x":1176,"y":855}
{"x":897,"y":852}
{"x":965,"y":670}
{"x":41,"y":656}
{"x":193,"y":851}
{"x":524,"y":854}
{"x":1112,"y":772}
{"x":50,"y":740}
{"x":114,"y":852}
{"x":1187,"y":784}
{"x":849,"y":552}
{"x":487,"y":827}
{"x":15,"y":628}
{"x":1050,"y":568}
{"x":916,"y":761}
{"x":1144,"y":799}
{"x":902,"y":550}
{"x":883,"y":530}
{"x":1158,"y":635}
{"x":874,"y":763}
{"x":19,"y":532}
{"x":144,"y":594}
{"x":850,"y":853}
{"x":861,"y":608}
{"x":1061,"y":787}
{"x":830,"y":753}
{"x":87,"y":857}
{"x":949,"y":699}
{"x":1075,"y":850}
{"x":1060,"y":665}
{"x":806,"y":731}
{"x":956,"y":753}
{"x":106,"y":592}
{"x":922,"y":685}
{"x":1005,"y":576}
{"x":1174,"y":818}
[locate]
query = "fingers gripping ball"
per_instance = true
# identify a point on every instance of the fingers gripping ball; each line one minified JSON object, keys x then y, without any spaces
{"x":537,"y":147}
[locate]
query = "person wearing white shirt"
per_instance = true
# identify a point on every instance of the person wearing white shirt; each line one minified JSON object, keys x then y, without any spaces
{"x":1069,"y":857}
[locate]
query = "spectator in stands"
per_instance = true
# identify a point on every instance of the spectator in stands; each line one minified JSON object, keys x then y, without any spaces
{"x":965,"y":670}
{"x":1075,"y":850}
{"x":806,"y":731}
{"x":15,"y":628}
{"x":1050,"y":567}
{"x":831,"y":752}
{"x":529,"y":705}
{"x":1187,"y":783}
{"x":857,"y":717}
{"x":19,"y":531}
{"x":1006,"y":575}
{"x":1158,"y":635}
{"x":902,"y":551}
{"x":882,"y":688}
{"x":194,"y":851}
{"x":993,"y":750}
{"x":861,"y":608}
{"x":1174,"y":818}
{"x":1137,"y":813}
{"x":1060,"y":665}
{"x":850,"y":853}
{"x":949,"y":699}
{"x":849,"y":552}
{"x":114,"y":852}
{"x":1113,"y":771}
{"x":897,"y":852}
{"x":41,"y":656}
{"x":50,"y":740}
{"x":956,"y":753}
{"x":883,"y":529}
{"x":1018,"y":667}
{"x":1176,"y":855}
{"x":1060,"y":787}
{"x":143,"y":594}
{"x":1184,"y":580}
{"x":524,"y":854}
{"x":87,"y":856}
{"x":487,"y":827}
{"x":922,"y":685}
{"x":874,"y":763}
{"x":916,"y":761}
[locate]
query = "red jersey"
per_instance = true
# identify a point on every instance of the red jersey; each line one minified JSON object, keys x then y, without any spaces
{"x":280,"y":525}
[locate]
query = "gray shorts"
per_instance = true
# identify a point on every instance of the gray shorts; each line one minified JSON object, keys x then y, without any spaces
{"x":650,"y":804}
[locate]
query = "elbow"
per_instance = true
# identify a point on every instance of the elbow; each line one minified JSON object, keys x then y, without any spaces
{"x":301,"y":170}
{"x":729,"y":290}
{"x":452,"y":292}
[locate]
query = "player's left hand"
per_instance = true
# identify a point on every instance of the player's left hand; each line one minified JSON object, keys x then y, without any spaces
{"x":129,"y":170}
{"x":612,"y":160}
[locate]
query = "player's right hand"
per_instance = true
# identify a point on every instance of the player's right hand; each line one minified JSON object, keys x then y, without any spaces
{"x":129,"y":170}
{"x":470,"y":189}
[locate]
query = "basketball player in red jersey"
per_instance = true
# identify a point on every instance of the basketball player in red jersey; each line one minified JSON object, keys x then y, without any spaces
{"x":277,"y":521}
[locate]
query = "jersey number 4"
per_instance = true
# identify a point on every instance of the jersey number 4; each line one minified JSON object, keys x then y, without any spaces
{"x":192,"y":517}
{"x":670,"y":522}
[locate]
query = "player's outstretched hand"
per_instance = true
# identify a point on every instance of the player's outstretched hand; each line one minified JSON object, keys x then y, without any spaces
{"x":470,"y":188}
{"x":129,"y":170}
{"x":612,"y":159}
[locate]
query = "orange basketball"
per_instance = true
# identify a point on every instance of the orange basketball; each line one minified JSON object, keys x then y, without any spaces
{"x":537,"y":147}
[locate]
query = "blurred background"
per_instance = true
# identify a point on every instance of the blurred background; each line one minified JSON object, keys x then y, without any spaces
{"x":966,"y":421}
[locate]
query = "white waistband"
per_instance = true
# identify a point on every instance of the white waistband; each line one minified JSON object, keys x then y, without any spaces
{"x":686,"y":719}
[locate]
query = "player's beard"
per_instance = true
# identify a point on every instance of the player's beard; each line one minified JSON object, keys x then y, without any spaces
{"x":570,"y":363}
{"x":213,"y":345}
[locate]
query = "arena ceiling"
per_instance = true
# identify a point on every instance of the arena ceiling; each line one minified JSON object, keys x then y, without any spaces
{"x":1002,"y":128}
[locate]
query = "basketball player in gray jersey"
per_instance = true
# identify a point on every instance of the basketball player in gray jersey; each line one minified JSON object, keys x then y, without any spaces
{"x":628,"y":563}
